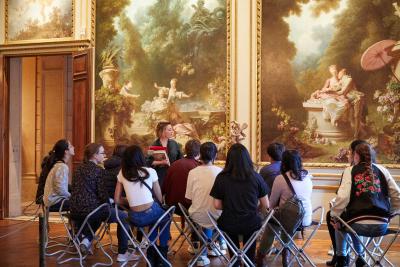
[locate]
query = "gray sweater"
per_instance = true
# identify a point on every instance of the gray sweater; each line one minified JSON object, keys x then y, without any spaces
{"x":56,"y":187}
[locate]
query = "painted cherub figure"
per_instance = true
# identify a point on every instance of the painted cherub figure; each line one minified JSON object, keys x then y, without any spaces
{"x":172,"y":92}
{"x":236,"y":131}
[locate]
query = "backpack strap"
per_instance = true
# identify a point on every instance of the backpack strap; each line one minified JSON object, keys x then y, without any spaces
{"x":289,"y":183}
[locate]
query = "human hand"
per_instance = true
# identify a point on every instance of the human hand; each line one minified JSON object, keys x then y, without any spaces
{"x":335,"y":224}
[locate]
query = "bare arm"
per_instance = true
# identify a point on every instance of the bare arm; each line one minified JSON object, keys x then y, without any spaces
{"x":218,"y":204}
{"x":157,"y":191}
{"x":117,"y":195}
{"x":264,"y":203}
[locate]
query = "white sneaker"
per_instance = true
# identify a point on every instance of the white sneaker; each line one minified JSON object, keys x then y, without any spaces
{"x":203,"y":261}
{"x":215,"y":252}
{"x":223,"y":245}
{"x":84,"y":246}
{"x":127,"y":257}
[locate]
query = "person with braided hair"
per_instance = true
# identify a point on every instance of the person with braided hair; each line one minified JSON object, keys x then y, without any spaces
{"x":367,"y":197}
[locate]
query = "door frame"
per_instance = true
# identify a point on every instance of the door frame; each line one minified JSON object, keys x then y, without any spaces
{"x":25,"y":50}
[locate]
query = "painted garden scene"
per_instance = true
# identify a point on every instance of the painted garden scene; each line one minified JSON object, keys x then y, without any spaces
{"x":39,"y":19}
{"x":330,"y":73}
{"x":160,"y":60}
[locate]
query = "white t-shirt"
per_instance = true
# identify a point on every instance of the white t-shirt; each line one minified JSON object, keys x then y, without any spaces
{"x":200,"y":181}
{"x":137,"y":193}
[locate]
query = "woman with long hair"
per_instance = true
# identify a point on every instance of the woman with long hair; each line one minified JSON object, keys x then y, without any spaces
{"x":366,"y":198}
{"x":56,"y":186}
{"x":291,"y":169}
{"x":140,"y":184}
{"x":237,"y":190}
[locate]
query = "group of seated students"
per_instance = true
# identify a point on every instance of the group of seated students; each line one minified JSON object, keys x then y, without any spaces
{"x":236,"y":194}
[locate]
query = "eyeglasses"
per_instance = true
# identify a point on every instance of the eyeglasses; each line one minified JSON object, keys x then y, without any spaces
{"x":103,"y":153}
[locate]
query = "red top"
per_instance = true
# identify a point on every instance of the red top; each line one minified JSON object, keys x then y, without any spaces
{"x":174,"y":185}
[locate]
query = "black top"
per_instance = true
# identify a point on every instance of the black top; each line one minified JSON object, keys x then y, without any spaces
{"x":174,"y":153}
{"x":88,"y":190}
{"x":270,"y":172}
{"x":369,"y":197}
{"x":112,"y":167}
{"x":240,"y":202}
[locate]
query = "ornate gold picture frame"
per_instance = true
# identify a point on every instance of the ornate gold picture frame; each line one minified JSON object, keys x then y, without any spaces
{"x":289,"y":98}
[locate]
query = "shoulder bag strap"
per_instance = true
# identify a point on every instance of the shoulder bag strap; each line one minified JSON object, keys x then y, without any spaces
{"x":289,"y":183}
{"x":151,"y":191}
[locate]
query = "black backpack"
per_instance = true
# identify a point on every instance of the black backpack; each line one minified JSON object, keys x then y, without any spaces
{"x":292,"y":212}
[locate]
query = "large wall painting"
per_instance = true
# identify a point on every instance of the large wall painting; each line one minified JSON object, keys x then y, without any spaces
{"x":161,"y":60}
{"x":39,"y":20}
{"x":329,"y":73}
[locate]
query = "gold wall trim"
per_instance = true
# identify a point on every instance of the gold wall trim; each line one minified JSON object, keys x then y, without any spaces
{"x":326,"y":187}
{"x":43,"y":48}
{"x":258,"y":82}
{"x":7,"y":41}
{"x":228,"y":65}
{"x":93,"y":23}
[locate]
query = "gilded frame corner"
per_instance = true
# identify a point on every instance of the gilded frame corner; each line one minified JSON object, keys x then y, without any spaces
{"x":49,"y":40}
{"x":258,"y":130}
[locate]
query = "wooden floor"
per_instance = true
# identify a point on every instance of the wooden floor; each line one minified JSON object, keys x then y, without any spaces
{"x":20,"y":247}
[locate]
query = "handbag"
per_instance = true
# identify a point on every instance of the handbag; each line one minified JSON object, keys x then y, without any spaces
{"x":292,"y":212}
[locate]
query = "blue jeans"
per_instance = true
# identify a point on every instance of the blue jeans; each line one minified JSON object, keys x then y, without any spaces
{"x":150,"y":217}
{"x":100,"y":216}
{"x":209,"y":233}
{"x":367,"y":230}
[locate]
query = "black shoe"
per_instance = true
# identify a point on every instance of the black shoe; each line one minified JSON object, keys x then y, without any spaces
{"x":360,"y":262}
{"x":285,"y":257}
{"x":341,"y":261}
{"x":152,"y":256}
{"x":164,"y":253}
{"x":332,"y":262}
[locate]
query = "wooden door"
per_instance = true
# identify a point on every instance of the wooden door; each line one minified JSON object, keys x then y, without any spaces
{"x":81,"y":101}
{"x":4,"y":113}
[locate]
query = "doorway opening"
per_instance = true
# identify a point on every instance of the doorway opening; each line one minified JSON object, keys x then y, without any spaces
{"x":40,"y":113}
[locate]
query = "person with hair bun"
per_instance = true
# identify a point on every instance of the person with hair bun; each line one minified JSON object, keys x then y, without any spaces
{"x":56,"y":186}
{"x":367,"y":197}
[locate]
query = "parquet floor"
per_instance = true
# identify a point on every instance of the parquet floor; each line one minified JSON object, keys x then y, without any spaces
{"x":20,"y":247}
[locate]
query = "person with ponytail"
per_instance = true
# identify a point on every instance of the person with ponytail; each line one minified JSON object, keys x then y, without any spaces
{"x":367,"y":197}
{"x":56,"y":186}
{"x":141,"y":184}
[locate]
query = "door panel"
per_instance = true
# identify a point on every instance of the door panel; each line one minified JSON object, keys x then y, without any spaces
{"x":81,"y":118}
{"x":4,"y":113}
